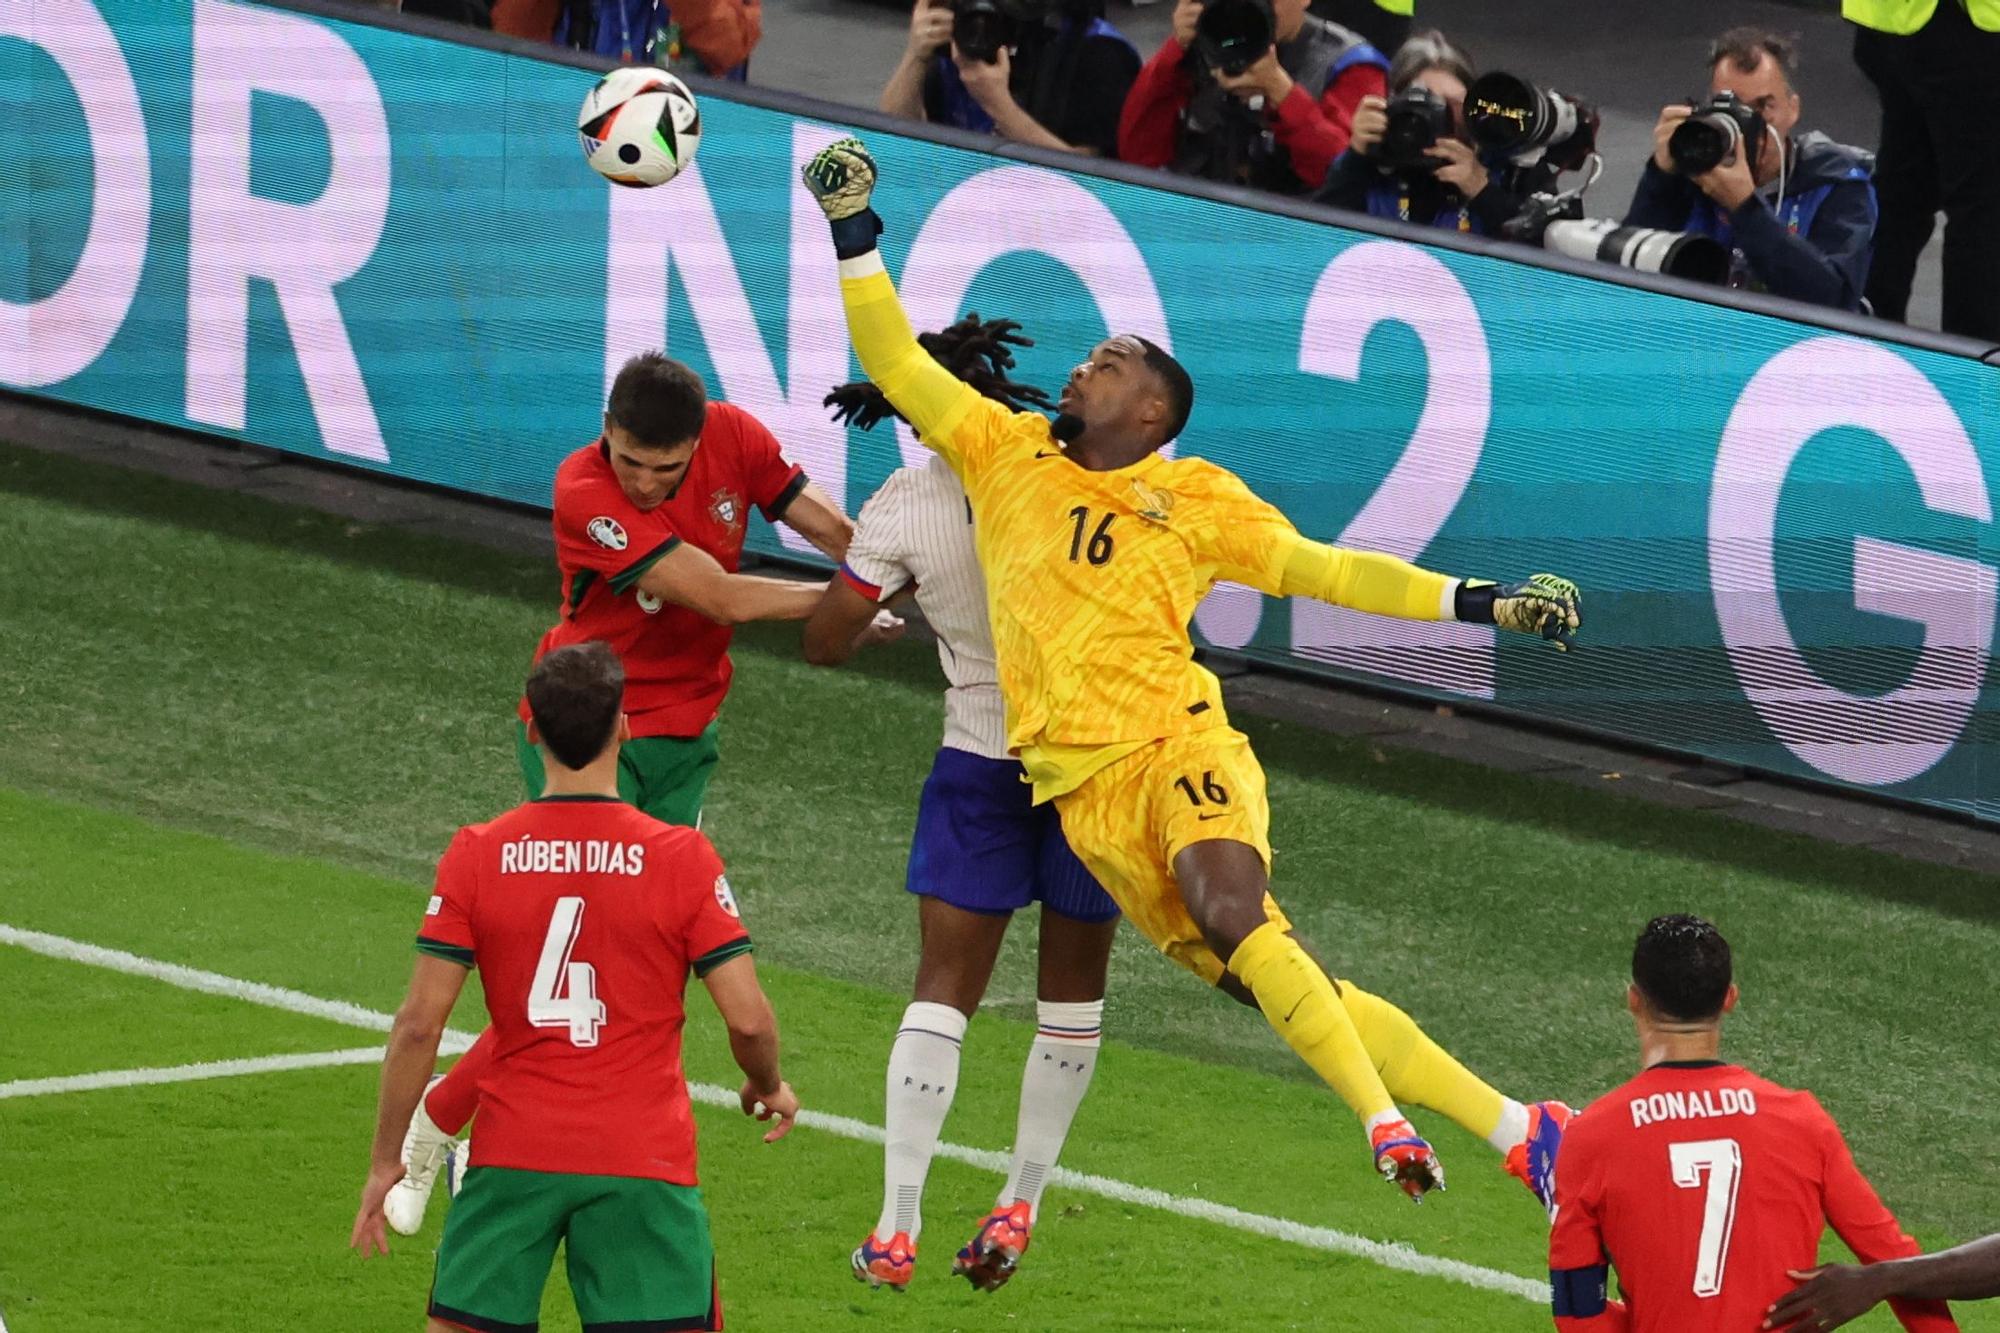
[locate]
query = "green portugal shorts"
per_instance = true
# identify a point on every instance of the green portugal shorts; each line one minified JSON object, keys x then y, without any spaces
{"x":638,"y":1253}
{"x":665,"y":776}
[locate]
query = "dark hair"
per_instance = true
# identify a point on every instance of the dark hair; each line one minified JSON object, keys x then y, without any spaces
{"x":977,"y":351}
{"x":1428,"y":49}
{"x":1745,"y":48}
{"x":1681,"y":965}
{"x":1180,"y":388}
{"x":659,"y":400}
{"x":574,"y":694}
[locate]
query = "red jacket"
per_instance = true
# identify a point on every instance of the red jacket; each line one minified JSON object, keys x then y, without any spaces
{"x":1312,"y":132}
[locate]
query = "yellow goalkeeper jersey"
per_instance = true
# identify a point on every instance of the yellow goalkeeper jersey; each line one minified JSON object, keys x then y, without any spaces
{"x":1092,"y":577}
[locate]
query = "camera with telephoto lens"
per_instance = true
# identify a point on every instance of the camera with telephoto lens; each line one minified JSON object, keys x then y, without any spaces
{"x":1713,"y":133}
{"x":1418,"y":118}
{"x":1512,"y":118}
{"x":1556,"y":222}
{"x":982,"y":28}
{"x":1232,"y":35}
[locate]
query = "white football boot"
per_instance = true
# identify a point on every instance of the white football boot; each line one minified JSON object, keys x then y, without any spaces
{"x":426,"y":1149}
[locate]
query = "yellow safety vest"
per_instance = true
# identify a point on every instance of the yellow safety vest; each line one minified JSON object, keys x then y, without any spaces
{"x":1404,"y":7}
{"x":1903,"y":17}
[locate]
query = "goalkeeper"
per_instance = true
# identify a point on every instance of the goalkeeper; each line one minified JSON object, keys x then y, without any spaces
{"x":1096,"y":550}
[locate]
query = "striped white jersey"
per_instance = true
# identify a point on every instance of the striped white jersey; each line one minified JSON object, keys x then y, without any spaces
{"x":918,"y":529}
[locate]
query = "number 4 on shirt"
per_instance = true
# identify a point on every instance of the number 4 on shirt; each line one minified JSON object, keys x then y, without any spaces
{"x":564,"y":993}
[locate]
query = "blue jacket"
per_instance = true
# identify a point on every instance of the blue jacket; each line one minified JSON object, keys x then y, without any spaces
{"x":631,"y":30}
{"x":1812,"y":245}
{"x":1360,"y":185}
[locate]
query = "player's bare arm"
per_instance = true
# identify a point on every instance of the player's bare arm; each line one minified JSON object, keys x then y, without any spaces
{"x":689,"y":576}
{"x":845,"y":622}
{"x":1838,"y":1293}
{"x":753,"y":1040}
{"x":406,"y":1068}
{"x":813,"y":515}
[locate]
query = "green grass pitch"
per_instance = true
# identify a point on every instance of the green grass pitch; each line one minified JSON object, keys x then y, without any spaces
{"x":235,"y":736}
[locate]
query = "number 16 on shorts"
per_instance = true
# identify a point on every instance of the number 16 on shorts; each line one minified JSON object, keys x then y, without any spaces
{"x":1210,"y":792}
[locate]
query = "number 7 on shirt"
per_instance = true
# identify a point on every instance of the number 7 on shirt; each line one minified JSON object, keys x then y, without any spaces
{"x":1722,"y":1159}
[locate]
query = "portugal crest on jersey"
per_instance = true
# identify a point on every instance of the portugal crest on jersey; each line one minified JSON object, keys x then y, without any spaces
{"x":726,"y":508}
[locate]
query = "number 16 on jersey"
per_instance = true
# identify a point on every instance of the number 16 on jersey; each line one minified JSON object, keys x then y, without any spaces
{"x":564,"y":994}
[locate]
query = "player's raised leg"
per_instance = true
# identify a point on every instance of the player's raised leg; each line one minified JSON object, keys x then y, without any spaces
{"x":428,"y":1152}
{"x":1414,"y":1069}
{"x":957,"y":952}
{"x":1226,"y":888}
{"x":1178,"y":833}
{"x":1079,"y":922}
{"x":1418,"y":1071}
{"x":431,"y":1146}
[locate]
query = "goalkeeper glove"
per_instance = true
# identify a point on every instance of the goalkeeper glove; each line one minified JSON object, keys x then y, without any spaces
{"x":841,"y":177}
{"x":1544,"y":605}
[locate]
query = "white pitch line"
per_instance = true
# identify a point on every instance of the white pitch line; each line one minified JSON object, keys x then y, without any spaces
{"x":214,"y":983}
{"x":1387,"y":1255}
{"x":138,"y":1078}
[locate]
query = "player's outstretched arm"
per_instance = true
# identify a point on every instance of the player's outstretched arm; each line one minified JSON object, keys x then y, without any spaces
{"x":1546,"y":606}
{"x":753,"y":1040}
{"x":691,"y":577}
{"x":813,"y":515}
{"x":1251,"y":541}
{"x":945,"y":411}
{"x":845,"y":622}
{"x":406,"y":1067}
{"x":1834,"y":1295}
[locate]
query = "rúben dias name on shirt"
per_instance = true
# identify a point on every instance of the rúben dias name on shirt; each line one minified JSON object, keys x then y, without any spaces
{"x":571,"y":856}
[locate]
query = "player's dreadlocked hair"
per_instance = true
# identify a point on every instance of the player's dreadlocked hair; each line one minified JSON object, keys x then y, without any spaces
{"x":977,"y":351}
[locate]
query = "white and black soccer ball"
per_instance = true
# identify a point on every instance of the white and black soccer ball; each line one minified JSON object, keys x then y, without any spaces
{"x":640,"y":126}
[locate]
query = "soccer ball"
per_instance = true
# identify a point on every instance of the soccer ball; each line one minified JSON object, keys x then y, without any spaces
{"x":640,"y":126}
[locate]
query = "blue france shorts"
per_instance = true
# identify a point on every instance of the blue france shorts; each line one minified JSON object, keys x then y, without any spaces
{"x":984,"y":846}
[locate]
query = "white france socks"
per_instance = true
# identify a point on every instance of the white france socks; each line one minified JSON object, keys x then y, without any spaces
{"x":923,"y":1075}
{"x":1060,"y":1064}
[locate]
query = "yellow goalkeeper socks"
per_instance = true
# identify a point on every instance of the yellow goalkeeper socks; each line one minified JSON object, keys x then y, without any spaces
{"x":1416,"y":1069}
{"x":1304,"y":1007}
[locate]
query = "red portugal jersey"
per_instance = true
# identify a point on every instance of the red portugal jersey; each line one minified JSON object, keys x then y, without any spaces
{"x":584,"y":918}
{"x":676,"y":661}
{"x":1701,"y":1184}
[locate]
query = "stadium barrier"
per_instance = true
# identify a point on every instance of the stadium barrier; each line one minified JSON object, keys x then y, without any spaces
{"x":366,"y":244}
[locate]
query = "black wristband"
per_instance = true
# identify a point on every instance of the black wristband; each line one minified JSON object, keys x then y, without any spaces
{"x":855,"y":236}
{"x":1473,"y":602}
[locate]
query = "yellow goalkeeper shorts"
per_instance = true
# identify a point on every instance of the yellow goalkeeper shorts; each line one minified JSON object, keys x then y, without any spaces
{"x":1129,"y":821}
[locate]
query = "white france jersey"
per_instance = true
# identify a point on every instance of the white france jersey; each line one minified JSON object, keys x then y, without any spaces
{"x":918,"y":528}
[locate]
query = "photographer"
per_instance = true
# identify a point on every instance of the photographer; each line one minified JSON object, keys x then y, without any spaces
{"x":1798,"y":211}
{"x":1254,"y":92}
{"x":1052,"y":73}
{"x":1445,"y":184}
